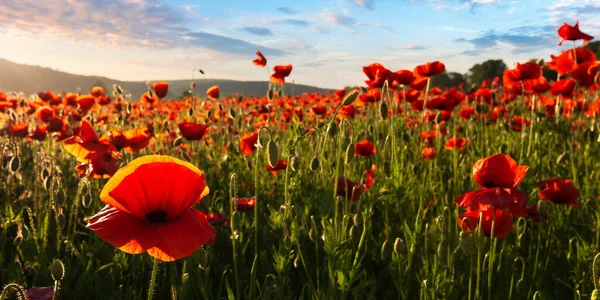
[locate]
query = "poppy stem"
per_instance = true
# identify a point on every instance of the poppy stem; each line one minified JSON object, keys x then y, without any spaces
{"x":153,"y":279}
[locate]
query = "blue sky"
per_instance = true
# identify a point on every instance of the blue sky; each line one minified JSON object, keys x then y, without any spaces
{"x":328,"y":42}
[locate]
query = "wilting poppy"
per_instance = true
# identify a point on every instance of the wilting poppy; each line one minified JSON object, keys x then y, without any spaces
{"x":213,"y":92}
{"x":244,"y":204}
{"x":455,"y":143}
{"x":559,"y":191}
{"x":248,"y":143}
{"x":364,"y":148}
{"x":280,"y":73}
{"x":192,"y":131}
{"x":160,"y":89}
{"x":572,"y":33}
{"x":261,"y":60}
{"x":498,"y":170}
{"x":349,"y":189}
{"x":280,"y":165}
{"x":503,"y":222}
{"x":149,"y":209}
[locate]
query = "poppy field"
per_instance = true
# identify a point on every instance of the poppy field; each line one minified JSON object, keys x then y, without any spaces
{"x":398,"y":189}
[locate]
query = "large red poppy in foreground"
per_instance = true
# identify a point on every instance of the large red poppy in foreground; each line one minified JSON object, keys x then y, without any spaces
{"x":149,"y":209}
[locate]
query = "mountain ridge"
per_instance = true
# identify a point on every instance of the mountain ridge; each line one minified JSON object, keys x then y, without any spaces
{"x":32,"y":79}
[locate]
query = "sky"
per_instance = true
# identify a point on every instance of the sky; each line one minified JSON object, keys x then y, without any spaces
{"x":327,"y":41}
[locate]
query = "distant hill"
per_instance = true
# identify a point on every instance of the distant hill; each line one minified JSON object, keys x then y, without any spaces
{"x":34,"y":79}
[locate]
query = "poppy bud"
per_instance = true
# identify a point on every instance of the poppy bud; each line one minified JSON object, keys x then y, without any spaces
{"x":383,"y":110}
{"x":349,"y":153}
{"x":314,"y":164}
{"x":15,"y":164}
{"x":441,"y":253}
{"x":521,"y":286}
{"x":386,"y":250}
{"x":86,"y":200}
{"x":272,"y":154}
{"x":45,"y":173}
{"x":57,"y":270}
{"x":186,"y":156}
{"x":387,"y":168}
{"x":235,"y":218}
{"x":128,"y":108}
{"x":399,"y":246}
{"x":332,"y":129}
{"x":202,"y":258}
{"x":46,"y":183}
{"x":191,"y":112}
{"x":294,"y":163}
{"x":13,"y":115}
{"x":370,"y":129}
{"x":165,"y":124}
{"x":270,"y":94}
{"x":354,"y":233}
{"x":296,"y":261}
{"x":177,"y":141}
{"x":350,"y":98}
{"x":232,"y":113}
{"x":466,"y":243}
{"x":311,"y":235}
{"x":560,"y":158}
{"x":345,"y":142}
{"x":438,"y":118}
{"x":11,"y":290}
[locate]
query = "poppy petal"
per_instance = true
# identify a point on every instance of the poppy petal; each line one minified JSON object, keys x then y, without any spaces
{"x":123,"y":231}
{"x":155,"y":183}
{"x":183,"y":236}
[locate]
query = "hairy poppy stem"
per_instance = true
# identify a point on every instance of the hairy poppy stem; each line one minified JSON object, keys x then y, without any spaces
{"x":153,"y":279}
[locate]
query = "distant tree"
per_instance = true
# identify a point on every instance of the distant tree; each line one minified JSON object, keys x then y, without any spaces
{"x":486,"y":70}
{"x":447,"y":80}
{"x":594,"y":47}
{"x":548,"y":73}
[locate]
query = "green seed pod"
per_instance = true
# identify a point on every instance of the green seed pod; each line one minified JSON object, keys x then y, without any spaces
{"x":232,"y":113}
{"x":350,"y":98}
{"x":202,"y":258}
{"x":383,"y":110}
{"x":235,"y":220}
{"x":295,"y":163}
{"x":466,"y":243}
{"x":349,"y":153}
{"x":354,"y":234}
{"x":270,"y":94}
{"x":315,"y":164}
{"x":521,"y":288}
{"x":272,"y":154}
{"x":177,"y":141}
{"x":57,"y":270}
{"x":441,"y":253}
{"x":345,"y":141}
{"x":387,"y":168}
{"x":386,"y":250}
{"x":15,"y":164}
{"x":399,"y":246}
{"x":332,"y":130}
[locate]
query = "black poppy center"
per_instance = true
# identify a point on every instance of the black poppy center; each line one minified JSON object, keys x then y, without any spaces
{"x":490,"y":184}
{"x":157,"y":216}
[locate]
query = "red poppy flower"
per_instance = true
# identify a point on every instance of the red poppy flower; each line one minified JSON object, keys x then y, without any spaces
{"x":429,"y":69}
{"x":149,"y":209}
{"x":149,"y":98}
{"x":86,"y":144}
{"x":280,"y":165}
{"x":364,"y":148}
{"x":340,"y":93}
{"x":100,"y":165}
{"x":404,"y":77}
{"x":517,"y":123}
{"x":244,"y":204}
{"x":503,"y":222}
{"x":192,"y":131}
{"x":248,"y":142}
{"x":213,"y":92}
{"x":349,"y":189}
{"x":494,"y":198}
{"x":370,"y":179}
{"x":45,"y":113}
{"x":137,"y":139}
{"x":559,"y":191}
{"x":498,"y":170}
{"x":572,"y":33}
{"x":377,"y":74}
{"x":219,"y":219}
{"x":455,"y":143}
{"x":19,"y":130}
{"x":564,"y":87}
{"x":585,"y":73}
{"x":537,"y":86}
{"x":280,"y":73}
{"x":86,"y":102}
{"x":261,"y":60}
{"x":318,"y":109}
{"x":116,"y":138}
{"x":528,"y":70}
{"x":428,"y":153}
{"x":160,"y":89}
{"x":466,"y":112}
{"x":565,"y":62}
{"x":372,"y":95}
{"x":97,"y":91}
{"x":39,"y":133}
